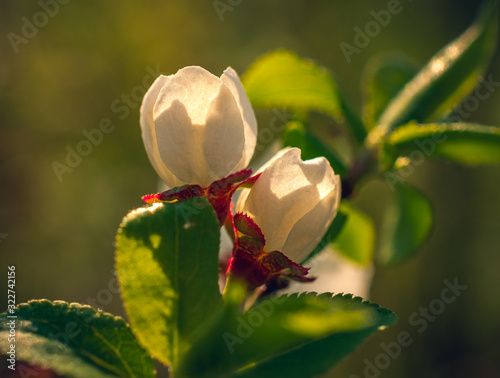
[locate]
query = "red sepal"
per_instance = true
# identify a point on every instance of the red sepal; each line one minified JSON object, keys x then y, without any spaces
{"x":247,"y":231}
{"x":175,"y":194}
{"x":235,"y":178}
{"x":250,"y":263}
{"x":219,"y":193}
{"x":248,"y":183}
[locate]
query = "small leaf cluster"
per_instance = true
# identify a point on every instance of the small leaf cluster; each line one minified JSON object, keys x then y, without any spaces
{"x":408,"y":115}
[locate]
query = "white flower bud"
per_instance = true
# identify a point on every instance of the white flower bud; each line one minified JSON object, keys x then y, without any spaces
{"x":293,"y":202}
{"x":198,"y":128}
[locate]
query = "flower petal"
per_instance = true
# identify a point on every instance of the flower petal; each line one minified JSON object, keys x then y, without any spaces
{"x":200,"y":126}
{"x":224,"y":138}
{"x":194,"y":87}
{"x":179,"y":115}
{"x":180,"y":144}
{"x":149,"y":133}
{"x":232,"y":81}
{"x":308,"y":231}
{"x":287,"y":190}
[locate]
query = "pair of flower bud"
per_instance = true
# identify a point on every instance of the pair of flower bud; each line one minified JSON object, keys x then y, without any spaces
{"x":199,"y":129}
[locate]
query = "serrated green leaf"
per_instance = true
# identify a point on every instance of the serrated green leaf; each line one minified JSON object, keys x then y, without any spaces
{"x":167,"y":265}
{"x":383,"y":78}
{"x":356,"y":240}
{"x":75,"y":340}
{"x":449,"y":76}
{"x":282,"y":79}
{"x":462,"y":142}
{"x":296,"y":135}
{"x":291,"y":336}
{"x":408,"y":224}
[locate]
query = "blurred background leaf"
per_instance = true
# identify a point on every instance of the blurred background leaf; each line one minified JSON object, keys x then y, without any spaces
{"x":356,"y":240}
{"x":463,"y":142}
{"x":296,"y":135}
{"x":408,"y":224}
{"x":449,"y":76}
{"x":383,"y":78}
{"x":283,"y":79}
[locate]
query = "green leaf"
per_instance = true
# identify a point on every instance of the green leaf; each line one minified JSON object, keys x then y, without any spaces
{"x":75,"y":340}
{"x":383,"y":78}
{"x":358,"y":128}
{"x":296,"y":135}
{"x":408,"y":225}
{"x":282,"y":79}
{"x":462,"y":142}
{"x":449,"y":76}
{"x":167,"y":265}
{"x":356,"y":240}
{"x":290,"y":336}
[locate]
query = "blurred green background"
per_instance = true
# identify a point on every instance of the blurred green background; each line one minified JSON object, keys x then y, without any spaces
{"x":67,"y":76}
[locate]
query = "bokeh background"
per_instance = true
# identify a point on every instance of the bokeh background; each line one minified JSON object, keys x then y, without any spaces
{"x":68,"y":75}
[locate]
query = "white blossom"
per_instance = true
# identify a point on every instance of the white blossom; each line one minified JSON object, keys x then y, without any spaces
{"x":293,"y":202}
{"x":198,"y":128}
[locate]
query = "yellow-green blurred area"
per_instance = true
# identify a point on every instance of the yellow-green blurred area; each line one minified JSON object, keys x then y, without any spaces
{"x":65,"y":78}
